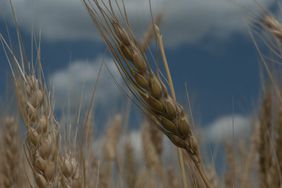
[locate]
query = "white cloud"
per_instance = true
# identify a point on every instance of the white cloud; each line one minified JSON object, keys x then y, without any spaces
{"x":78,"y":79}
{"x":226,"y":128}
{"x":184,"y":21}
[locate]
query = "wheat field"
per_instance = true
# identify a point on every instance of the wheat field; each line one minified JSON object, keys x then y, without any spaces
{"x":39,"y":150}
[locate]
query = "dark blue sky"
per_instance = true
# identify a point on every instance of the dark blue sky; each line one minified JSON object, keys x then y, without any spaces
{"x":222,"y":76}
{"x":208,"y":49}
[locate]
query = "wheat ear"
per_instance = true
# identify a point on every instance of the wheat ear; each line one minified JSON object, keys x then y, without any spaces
{"x":145,"y":83}
{"x":42,"y":136}
{"x":34,"y":104}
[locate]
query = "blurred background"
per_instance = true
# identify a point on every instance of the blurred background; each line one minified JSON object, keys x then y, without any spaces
{"x":210,"y":52}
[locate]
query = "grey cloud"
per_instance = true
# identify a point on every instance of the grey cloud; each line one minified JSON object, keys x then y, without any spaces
{"x":78,"y":79}
{"x":184,"y":20}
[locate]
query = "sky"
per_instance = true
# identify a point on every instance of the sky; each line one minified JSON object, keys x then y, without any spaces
{"x":208,"y":45}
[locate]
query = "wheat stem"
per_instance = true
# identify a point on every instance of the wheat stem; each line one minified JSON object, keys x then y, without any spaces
{"x":171,"y":86}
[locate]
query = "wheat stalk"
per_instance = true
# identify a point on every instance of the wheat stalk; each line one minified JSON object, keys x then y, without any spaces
{"x":110,"y":151}
{"x":264,"y":147}
{"x":129,"y":164}
{"x":278,"y":142}
{"x":172,"y":177}
{"x":156,"y":137}
{"x":230,"y":174}
{"x":213,"y":177}
{"x":151,"y":157}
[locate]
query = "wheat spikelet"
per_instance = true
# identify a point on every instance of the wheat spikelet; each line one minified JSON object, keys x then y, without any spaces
{"x":71,"y":175}
{"x":274,"y":26}
{"x":11,"y":164}
{"x":71,"y":159}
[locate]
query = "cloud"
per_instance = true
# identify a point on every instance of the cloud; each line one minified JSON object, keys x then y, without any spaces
{"x":226,"y":128}
{"x":79,"y":78}
{"x":184,"y":20}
